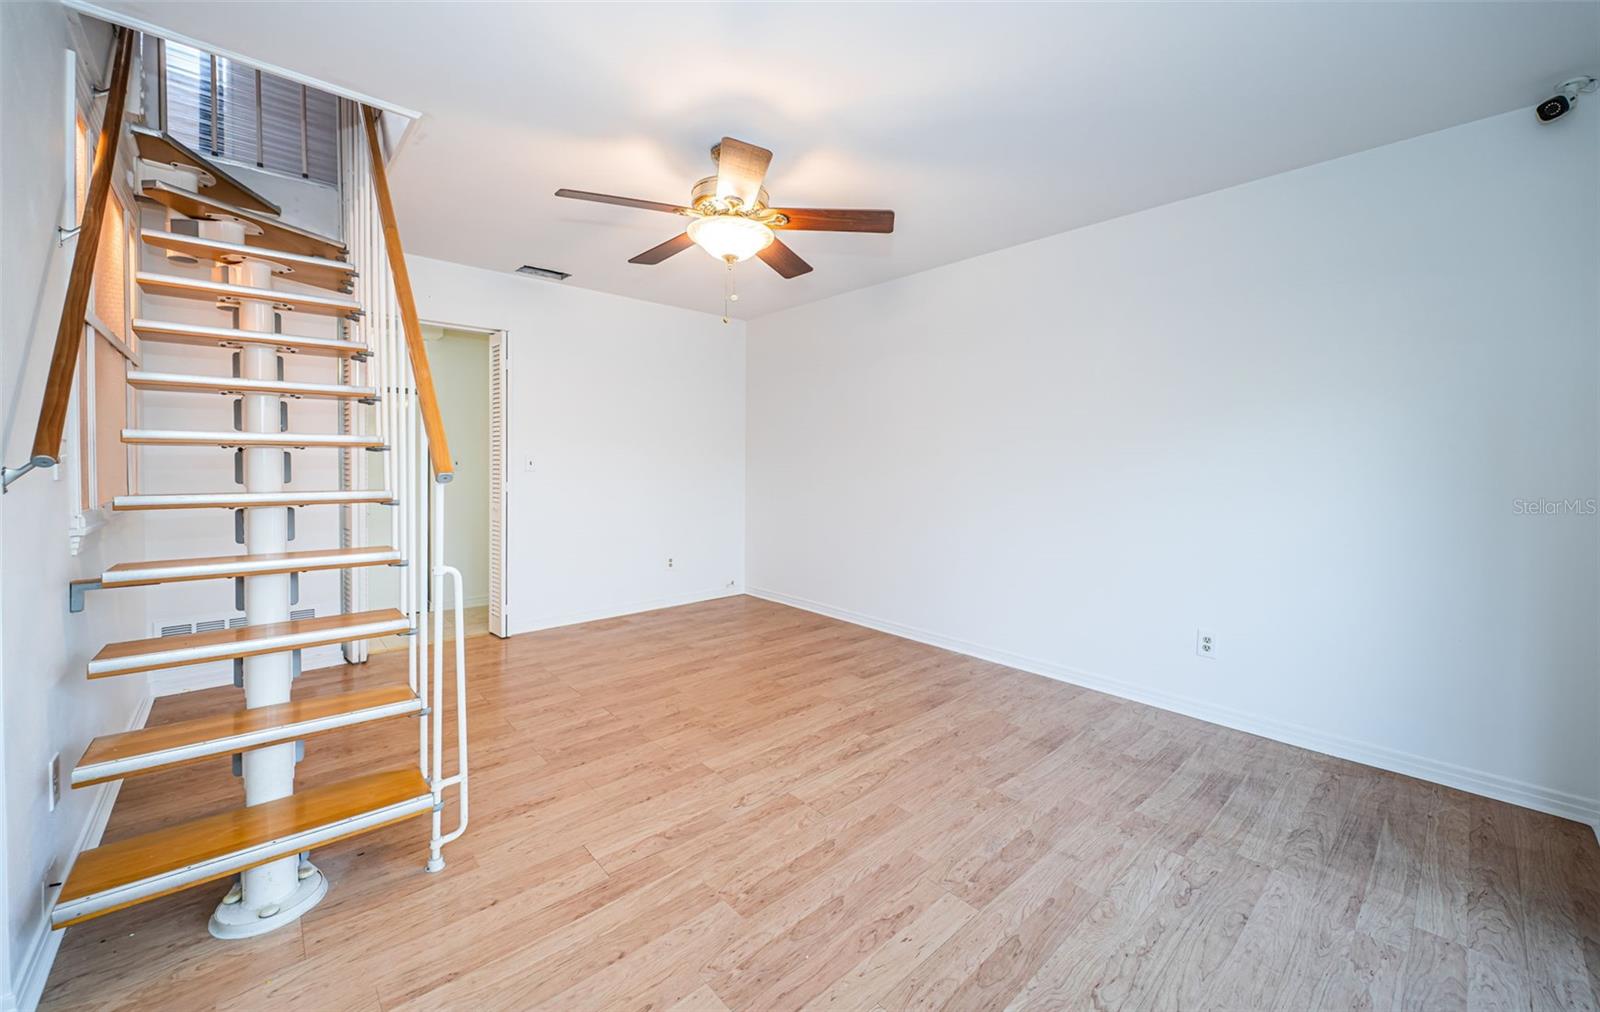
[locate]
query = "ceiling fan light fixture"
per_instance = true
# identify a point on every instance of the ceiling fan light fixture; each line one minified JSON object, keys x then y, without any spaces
{"x":731,"y":238}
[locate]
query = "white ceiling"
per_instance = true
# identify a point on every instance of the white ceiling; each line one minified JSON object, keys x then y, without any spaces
{"x":981,"y":125}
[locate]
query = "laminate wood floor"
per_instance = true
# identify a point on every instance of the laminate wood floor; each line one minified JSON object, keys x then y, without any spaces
{"x":739,"y":805}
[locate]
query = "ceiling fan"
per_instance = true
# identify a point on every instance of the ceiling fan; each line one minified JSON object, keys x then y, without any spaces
{"x":731,"y":219}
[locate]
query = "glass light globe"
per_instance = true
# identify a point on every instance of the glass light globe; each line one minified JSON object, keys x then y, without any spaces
{"x":730,"y":237}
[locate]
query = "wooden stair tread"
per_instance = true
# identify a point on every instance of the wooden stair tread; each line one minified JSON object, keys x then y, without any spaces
{"x":260,"y":229}
{"x":143,"y":867}
{"x":202,"y":288}
{"x":114,"y":756}
{"x":186,"y":437}
{"x":227,"y":337}
{"x":307,"y":270}
{"x":236,"y":385}
{"x":158,"y":146}
{"x":132,"y":656}
{"x":248,"y":500}
{"x":135,"y":574}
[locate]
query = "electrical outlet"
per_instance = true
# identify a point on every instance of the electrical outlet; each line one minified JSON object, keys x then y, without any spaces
{"x":1205,"y":644}
{"x":53,"y":777}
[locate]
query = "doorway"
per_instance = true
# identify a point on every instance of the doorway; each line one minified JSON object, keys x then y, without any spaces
{"x":469,"y":372}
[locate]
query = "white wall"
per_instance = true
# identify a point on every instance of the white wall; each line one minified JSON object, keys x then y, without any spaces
{"x":633,"y":415}
{"x":49,"y":706}
{"x":1296,"y":413}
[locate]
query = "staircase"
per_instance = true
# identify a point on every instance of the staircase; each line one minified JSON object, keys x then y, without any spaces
{"x":267,"y":275}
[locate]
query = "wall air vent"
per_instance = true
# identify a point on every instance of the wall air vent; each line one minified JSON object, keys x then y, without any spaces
{"x":219,"y":624}
{"x":543,"y":272}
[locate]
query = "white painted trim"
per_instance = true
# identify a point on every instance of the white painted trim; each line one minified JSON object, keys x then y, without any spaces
{"x":177,"y":656}
{"x":1489,"y":785}
{"x":172,"y":570}
{"x":579,"y":617}
{"x":151,"y":28}
{"x":184,"y":382}
{"x":234,"y":500}
{"x":204,"y":871}
{"x":171,"y":332}
{"x":46,"y":942}
{"x":224,"y":744}
{"x":203,"y":288}
{"x":215,"y":674}
{"x":184,"y":437}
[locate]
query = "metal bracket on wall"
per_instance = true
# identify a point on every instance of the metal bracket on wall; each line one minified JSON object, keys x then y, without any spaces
{"x":11,"y":474}
{"x":238,"y":527}
{"x":291,"y":524}
{"x":75,"y":592}
{"x":238,"y":593}
{"x":238,"y":467}
{"x":294,"y":588}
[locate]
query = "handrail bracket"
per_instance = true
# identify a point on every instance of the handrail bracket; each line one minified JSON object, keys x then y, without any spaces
{"x":11,"y":474}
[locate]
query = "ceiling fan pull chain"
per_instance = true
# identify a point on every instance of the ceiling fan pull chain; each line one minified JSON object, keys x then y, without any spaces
{"x":729,"y":292}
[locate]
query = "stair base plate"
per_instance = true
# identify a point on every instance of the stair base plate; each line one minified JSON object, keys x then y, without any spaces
{"x":233,"y":921}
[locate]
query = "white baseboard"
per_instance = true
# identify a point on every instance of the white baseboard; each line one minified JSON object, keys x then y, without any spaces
{"x":654,"y":604}
{"x":1489,"y":785}
{"x":41,"y":948}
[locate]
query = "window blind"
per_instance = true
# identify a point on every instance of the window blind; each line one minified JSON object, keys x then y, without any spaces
{"x":254,"y":118}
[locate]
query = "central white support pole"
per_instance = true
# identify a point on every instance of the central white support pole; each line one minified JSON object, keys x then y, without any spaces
{"x":276,"y":893}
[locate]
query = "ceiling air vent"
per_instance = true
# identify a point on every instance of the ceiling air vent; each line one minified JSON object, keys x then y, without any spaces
{"x":543,"y":272}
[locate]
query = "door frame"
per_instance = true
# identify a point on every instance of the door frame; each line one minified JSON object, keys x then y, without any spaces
{"x":500,"y":548}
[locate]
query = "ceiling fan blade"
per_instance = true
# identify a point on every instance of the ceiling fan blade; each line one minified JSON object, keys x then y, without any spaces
{"x":606,"y":198}
{"x":836,"y":219}
{"x":741,"y":169}
{"x":656,"y":254}
{"x":784,"y":260}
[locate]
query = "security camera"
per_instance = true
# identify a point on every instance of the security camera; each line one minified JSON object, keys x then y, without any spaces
{"x":1566,"y":96}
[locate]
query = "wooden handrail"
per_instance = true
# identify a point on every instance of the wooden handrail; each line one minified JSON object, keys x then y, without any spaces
{"x":427,"y":399}
{"x":69,"y":333}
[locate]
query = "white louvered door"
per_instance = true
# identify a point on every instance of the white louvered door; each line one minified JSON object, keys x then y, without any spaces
{"x":499,"y":478}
